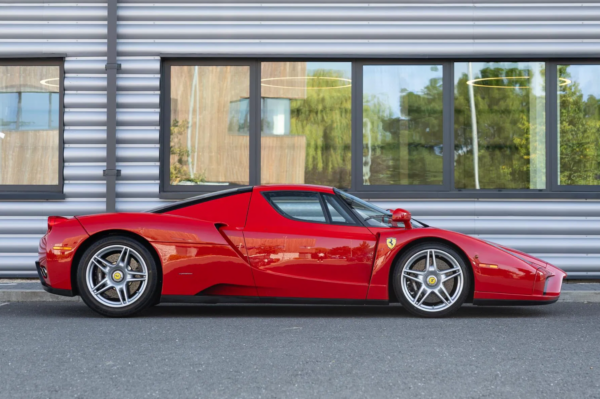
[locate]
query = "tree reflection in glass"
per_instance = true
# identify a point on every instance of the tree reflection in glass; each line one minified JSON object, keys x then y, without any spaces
{"x":499,"y":125}
{"x":402,"y":125}
{"x":579,"y":125}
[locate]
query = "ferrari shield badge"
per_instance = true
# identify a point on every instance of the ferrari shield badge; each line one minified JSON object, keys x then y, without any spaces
{"x":391,"y":242}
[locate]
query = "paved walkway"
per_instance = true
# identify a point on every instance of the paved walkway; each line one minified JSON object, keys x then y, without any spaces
{"x":64,"y":350}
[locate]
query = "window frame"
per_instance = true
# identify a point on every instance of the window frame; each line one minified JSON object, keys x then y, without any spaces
{"x":554,"y":137}
{"x":357,"y":222}
{"x":170,"y":191}
{"x":446,"y":190}
{"x":41,"y":191}
{"x":357,"y":131}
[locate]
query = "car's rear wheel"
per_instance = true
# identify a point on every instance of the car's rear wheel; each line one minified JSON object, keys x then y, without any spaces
{"x":117,"y":277}
{"x":431,"y":280}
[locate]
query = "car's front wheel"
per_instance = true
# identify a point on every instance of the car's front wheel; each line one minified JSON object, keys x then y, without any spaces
{"x":431,"y":280}
{"x":117,"y":277}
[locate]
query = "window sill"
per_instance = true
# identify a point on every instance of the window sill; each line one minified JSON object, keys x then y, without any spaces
{"x":32,"y":195}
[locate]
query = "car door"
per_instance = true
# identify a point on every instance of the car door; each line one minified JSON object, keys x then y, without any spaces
{"x":305,"y":244}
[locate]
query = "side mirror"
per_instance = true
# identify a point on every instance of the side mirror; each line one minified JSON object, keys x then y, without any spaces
{"x":402,"y":216}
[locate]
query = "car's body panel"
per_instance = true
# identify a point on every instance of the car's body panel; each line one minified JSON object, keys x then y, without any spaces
{"x":231,"y":210}
{"x":238,"y":245}
{"x":300,"y":259}
{"x":155,"y":227}
{"x":56,"y":251}
{"x":205,"y":269}
{"x":494,"y":270}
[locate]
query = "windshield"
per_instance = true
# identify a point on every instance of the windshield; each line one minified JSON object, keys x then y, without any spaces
{"x":372,"y":214}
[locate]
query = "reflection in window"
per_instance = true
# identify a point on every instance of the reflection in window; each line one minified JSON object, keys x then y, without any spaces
{"x":239,"y":117}
{"x":29,"y":125}
{"x":209,"y":125}
{"x":579,"y":124}
{"x":499,"y":125}
{"x":276,"y":116}
{"x":304,"y":206}
{"x":402,"y":125}
{"x":306,"y":123}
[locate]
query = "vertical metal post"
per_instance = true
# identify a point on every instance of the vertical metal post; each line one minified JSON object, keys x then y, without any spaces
{"x":552,"y":128}
{"x":357,"y":160}
{"x":448,"y":125}
{"x":255,"y":124}
{"x":111,"y":171}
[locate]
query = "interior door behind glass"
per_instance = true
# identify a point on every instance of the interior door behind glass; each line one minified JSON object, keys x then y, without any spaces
{"x":295,"y":252}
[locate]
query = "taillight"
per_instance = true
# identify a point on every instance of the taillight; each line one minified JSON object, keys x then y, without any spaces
{"x":54,"y":220}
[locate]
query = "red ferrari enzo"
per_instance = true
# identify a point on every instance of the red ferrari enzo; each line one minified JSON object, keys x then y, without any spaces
{"x":282,"y":244}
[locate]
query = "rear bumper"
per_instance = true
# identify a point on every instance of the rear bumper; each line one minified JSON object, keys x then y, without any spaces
{"x":47,"y":287}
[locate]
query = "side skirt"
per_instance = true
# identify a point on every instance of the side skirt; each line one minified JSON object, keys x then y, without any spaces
{"x":268,"y":300}
{"x":509,"y":302}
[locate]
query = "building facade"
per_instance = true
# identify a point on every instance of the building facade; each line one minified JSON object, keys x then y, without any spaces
{"x":481,"y":117}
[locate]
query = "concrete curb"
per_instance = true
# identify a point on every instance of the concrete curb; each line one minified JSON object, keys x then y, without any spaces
{"x":43,"y":296}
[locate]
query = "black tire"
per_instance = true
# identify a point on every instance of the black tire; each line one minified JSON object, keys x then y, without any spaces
{"x":145,"y":296}
{"x":406,"y":292}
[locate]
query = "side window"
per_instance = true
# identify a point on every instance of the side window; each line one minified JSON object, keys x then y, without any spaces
{"x":337,"y":212}
{"x":303,"y":206}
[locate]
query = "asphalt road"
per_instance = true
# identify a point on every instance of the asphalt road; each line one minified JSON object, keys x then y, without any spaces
{"x":63,"y":350}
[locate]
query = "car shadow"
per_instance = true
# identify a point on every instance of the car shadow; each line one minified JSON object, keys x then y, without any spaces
{"x":79,"y":310}
{"x":327,"y":311}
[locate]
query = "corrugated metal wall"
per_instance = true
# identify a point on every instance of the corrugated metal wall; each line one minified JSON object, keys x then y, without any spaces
{"x":566,"y":233}
{"x":79,"y":32}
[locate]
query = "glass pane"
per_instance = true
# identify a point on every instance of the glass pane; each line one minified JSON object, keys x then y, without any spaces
{"x":371,"y":214}
{"x":210,"y":121}
{"x":500,"y":125}
{"x":336,"y":211}
{"x":306,"y":123}
{"x":299,"y":206}
{"x":579,"y":124}
{"x":402,"y":125}
{"x":29,"y":115}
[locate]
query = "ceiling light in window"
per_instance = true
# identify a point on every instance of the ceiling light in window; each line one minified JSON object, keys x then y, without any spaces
{"x":481,"y":82}
{"x":50,"y":82}
{"x":302,"y":82}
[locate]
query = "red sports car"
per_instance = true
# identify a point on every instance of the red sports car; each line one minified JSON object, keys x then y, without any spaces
{"x":282,"y":244}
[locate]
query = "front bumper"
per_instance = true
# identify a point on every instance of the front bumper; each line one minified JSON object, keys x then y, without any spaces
{"x":47,"y":287}
{"x":514,"y":302}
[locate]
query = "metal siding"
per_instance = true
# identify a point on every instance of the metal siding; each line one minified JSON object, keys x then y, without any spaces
{"x":562,"y":232}
{"x":359,"y":31}
{"x":79,"y":33}
{"x":365,"y":13}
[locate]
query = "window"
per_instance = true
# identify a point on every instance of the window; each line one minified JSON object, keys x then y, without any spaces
{"x":402,"y":125}
{"x":298,"y":205}
{"x":208,"y":126}
{"x":578,"y":125}
{"x":30,"y":126}
{"x":499,"y":125}
{"x":337,"y":213}
{"x":372,"y":215}
{"x":306,"y":123}
{"x":379,"y":129}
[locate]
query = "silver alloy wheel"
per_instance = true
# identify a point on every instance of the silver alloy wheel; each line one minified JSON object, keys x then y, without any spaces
{"x":432,"y":280}
{"x":117,"y":276}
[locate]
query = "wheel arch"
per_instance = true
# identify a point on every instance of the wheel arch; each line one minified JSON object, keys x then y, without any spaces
{"x":108,"y":233}
{"x":392,"y":295}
